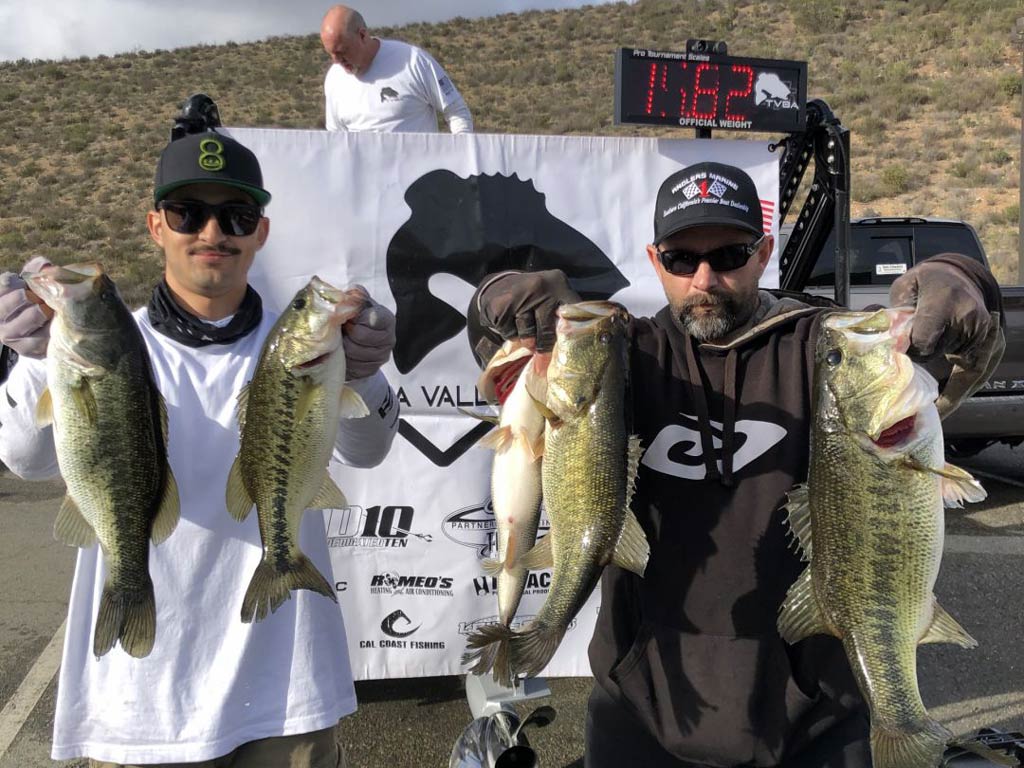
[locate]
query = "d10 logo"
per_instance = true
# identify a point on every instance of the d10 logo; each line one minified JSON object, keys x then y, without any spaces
{"x":377,"y":526}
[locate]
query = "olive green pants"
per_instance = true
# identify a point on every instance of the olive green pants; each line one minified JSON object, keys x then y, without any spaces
{"x":320,"y":749}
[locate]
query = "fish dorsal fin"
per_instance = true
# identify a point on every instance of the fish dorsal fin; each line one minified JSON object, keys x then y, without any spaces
{"x":71,"y":527}
{"x":44,"y":409}
{"x":496,"y":438}
{"x":945,"y":629}
{"x":801,"y":615}
{"x":329,"y":496}
{"x":632,"y":550}
{"x":633,"y":453}
{"x":798,"y":515}
{"x":167,"y":515}
{"x":241,"y":404}
{"x":237,"y":497}
{"x":540,"y":556}
{"x":161,"y":405}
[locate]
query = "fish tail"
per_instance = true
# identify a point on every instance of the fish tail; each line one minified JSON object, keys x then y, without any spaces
{"x":488,"y":650}
{"x":270,"y":587}
{"x":128,"y":616}
{"x":921,"y":746}
{"x":533,"y":648}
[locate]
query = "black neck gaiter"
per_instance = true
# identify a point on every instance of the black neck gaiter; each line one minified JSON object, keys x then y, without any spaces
{"x":173,"y":321}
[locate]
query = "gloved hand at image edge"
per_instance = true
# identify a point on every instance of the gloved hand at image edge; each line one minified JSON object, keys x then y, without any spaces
{"x":24,"y":322}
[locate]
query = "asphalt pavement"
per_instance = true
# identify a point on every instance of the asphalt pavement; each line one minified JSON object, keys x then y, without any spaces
{"x":414,"y":723}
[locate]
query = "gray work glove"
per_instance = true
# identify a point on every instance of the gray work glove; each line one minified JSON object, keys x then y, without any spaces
{"x":24,"y":323}
{"x":524,"y":305}
{"x":368,"y":339}
{"x":950,"y":316}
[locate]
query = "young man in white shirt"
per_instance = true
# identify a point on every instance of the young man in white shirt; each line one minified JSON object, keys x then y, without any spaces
{"x":384,"y":85}
{"x":213,"y":690}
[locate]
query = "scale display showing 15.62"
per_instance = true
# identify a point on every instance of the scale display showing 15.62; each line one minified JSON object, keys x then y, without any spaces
{"x":709,"y":90}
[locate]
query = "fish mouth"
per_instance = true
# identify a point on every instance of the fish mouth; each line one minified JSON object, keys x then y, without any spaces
{"x":581,"y":316}
{"x":897,"y":434}
{"x":314,"y":362}
{"x":56,"y":284}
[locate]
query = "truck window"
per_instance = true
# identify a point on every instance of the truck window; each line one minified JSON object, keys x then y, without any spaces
{"x":945,"y":238}
{"x":876,"y":258}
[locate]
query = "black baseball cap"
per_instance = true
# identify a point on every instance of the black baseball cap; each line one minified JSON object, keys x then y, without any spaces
{"x":200,"y":158}
{"x":704,"y":194}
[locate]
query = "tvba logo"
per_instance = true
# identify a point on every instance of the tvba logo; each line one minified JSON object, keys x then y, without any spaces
{"x":475,"y":527}
{"x":377,"y":526}
{"x":422,"y":586}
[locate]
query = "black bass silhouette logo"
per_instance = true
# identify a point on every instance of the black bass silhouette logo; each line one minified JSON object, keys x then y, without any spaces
{"x":469,"y":228}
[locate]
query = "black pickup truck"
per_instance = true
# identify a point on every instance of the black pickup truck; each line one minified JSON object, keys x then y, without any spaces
{"x":882,"y":249}
{"x":872,"y":252}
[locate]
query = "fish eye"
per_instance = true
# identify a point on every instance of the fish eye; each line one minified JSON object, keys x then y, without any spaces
{"x":834,"y":357}
{"x":299,"y":303}
{"x":605,"y":338}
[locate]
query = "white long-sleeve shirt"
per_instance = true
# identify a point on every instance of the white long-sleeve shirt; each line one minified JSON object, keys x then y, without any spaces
{"x":403,"y":89}
{"x":211,"y":682}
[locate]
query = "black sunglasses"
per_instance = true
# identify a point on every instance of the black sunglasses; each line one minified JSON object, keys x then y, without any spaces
{"x":190,"y":216}
{"x":680,"y":261}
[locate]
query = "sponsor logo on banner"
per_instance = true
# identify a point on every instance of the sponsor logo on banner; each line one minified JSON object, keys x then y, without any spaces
{"x":396,"y":625}
{"x":466,"y":627}
{"x":537,"y":583}
{"x":475,"y":527}
{"x":341,"y":586}
{"x":420,"y":586}
{"x":376,"y":527}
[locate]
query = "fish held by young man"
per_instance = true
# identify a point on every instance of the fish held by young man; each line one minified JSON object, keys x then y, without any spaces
{"x":289,"y":415}
{"x":110,"y":433}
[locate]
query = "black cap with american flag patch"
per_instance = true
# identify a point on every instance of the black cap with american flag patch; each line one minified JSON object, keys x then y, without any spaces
{"x":707,"y":194}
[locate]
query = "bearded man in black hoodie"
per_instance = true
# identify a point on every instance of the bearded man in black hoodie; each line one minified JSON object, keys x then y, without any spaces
{"x":689,"y":667}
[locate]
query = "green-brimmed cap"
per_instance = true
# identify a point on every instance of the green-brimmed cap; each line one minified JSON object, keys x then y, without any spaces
{"x":201,"y":158}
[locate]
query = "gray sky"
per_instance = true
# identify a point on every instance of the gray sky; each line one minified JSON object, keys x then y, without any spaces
{"x":56,"y":29}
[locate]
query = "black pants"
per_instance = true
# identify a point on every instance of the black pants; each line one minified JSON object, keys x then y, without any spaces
{"x":614,"y":739}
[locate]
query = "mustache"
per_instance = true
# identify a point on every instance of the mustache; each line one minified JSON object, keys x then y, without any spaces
{"x":220,"y":250}
{"x":709,"y":299}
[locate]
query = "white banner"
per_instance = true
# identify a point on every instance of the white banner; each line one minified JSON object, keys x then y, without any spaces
{"x":419,"y":219}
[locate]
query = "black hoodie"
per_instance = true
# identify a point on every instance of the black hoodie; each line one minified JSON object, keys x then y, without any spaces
{"x":692,"y":649}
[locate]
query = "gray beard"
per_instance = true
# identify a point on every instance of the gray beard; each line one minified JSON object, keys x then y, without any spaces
{"x":727,"y":314}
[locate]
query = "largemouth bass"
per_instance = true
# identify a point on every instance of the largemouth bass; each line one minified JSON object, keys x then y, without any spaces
{"x":870,"y":520}
{"x":588,"y":472}
{"x":110,"y":432}
{"x":289,"y":415}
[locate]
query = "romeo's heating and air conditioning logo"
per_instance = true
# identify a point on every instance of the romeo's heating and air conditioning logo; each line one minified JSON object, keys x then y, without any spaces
{"x":475,"y":527}
{"x":420,"y":586}
{"x":465,"y":229}
{"x":377,"y":526}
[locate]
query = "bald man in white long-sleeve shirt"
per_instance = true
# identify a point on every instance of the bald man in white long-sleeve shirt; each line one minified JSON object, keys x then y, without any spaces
{"x":384,"y":85}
